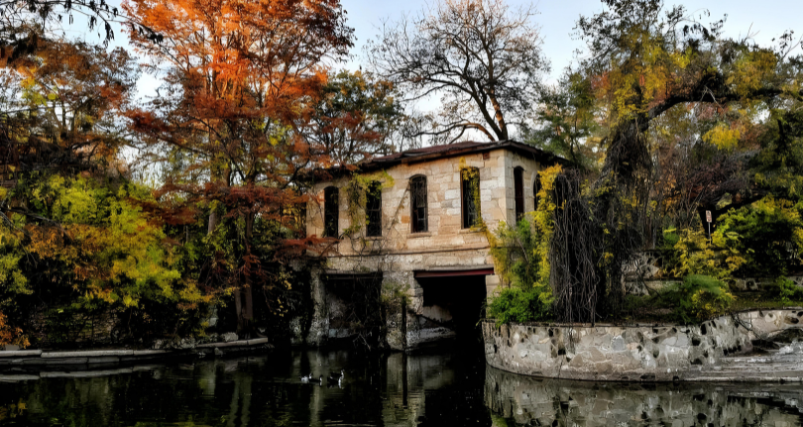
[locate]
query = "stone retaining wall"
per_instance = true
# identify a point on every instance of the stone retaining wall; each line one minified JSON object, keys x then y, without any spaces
{"x":714,"y":350}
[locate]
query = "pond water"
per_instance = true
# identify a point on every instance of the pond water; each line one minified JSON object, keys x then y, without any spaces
{"x":430,"y":389}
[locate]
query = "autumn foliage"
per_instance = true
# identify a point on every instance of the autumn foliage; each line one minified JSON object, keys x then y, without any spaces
{"x":227,"y":141}
{"x":141,"y":219}
{"x":242,"y":82}
{"x":11,"y":335}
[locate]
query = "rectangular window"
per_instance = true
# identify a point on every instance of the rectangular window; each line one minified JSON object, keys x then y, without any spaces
{"x":331,"y":211}
{"x":470,"y":180}
{"x":373,"y":209}
{"x":418,"y":204}
{"x":536,"y":190}
{"x":518,"y":184}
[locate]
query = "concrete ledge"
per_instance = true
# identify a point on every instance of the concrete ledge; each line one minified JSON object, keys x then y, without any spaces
{"x":56,"y":361}
{"x":26,"y":358}
{"x":150,"y":352}
{"x":17,"y":378}
{"x":223,"y":344}
{"x":91,"y":353}
{"x":20,"y":353}
{"x":85,"y":374}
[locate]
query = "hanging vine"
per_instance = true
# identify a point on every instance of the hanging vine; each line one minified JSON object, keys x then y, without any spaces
{"x":358,"y":189}
{"x":575,"y":253}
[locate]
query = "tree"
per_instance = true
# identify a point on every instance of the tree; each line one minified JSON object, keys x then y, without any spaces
{"x":647,"y":65}
{"x":567,"y":121}
{"x":75,"y":237}
{"x":642,"y":63}
{"x":355,"y":118}
{"x":17,"y":15}
{"x":482,"y":58}
{"x":60,"y":107}
{"x":242,"y":82}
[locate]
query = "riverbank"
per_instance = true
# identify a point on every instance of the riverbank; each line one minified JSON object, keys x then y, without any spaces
{"x":753,"y":346}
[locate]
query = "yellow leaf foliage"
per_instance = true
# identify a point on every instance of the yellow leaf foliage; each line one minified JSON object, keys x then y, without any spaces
{"x":117,"y":252}
{"x":723,"y":137}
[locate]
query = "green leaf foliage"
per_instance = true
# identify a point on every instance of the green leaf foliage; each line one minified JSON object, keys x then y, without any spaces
{"x":789,"y":292}
{"x":520,"y":305}
{"x":698,"y":297}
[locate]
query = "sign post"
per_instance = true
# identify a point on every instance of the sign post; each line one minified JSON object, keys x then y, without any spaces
{"x":708,"y":220}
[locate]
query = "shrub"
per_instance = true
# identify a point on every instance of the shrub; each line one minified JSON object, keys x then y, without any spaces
{"x":11,"y":335}
{"x":789,"y":291}
{"x":693,"y":253}
{"x":699,"y":297}
{"x":518,"y":305}
{"x":770,"y":236}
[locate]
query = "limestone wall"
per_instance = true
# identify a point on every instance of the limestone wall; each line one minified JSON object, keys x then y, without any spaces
{"x":444,"y":205}
{"x":399,"y":252}
{"x":719,"y":349}
{"x":446,"y":245}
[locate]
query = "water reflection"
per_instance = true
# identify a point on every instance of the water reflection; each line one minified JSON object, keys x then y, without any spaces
{"x":530,"y":401}
{"x":439,"y":389}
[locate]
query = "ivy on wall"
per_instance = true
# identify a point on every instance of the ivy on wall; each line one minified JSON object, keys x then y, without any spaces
{"x":521,"y":258}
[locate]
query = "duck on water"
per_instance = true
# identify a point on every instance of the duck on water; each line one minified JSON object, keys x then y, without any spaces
{"x":332,"y":380}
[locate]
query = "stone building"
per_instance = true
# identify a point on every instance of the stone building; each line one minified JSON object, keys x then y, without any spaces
{"x":414,"y":225}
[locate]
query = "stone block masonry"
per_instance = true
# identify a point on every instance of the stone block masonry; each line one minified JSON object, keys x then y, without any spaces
{"x":764,"y":345}
{"x":399,"y":252}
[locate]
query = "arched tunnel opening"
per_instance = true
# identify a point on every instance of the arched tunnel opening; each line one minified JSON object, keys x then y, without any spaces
{"x":457,"y":302}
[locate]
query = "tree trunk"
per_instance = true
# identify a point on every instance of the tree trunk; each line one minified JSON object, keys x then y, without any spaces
{"x":627,"y":153}
{"x":212,"y":222}
{"x":238,"y":307}
{"x":246,"y":315}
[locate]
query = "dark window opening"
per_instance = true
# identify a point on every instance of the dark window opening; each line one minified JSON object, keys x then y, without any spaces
{"x":518,"y":184}
{"x":331,"y":211}
{"x":373,"y":209}
{"x":536,"y":190}
{"x":470,"y":185}
{"x":418,"y":204}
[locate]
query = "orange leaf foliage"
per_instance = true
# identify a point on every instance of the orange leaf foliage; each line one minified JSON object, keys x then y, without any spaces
{"x":9,"y":335}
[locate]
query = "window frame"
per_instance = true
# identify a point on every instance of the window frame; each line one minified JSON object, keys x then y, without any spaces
{"x":464,"y":202}
{"x":373,"y":227}
{"x":331,"y":211}
{"x":518,"y":191}
{"x":415,"y":194}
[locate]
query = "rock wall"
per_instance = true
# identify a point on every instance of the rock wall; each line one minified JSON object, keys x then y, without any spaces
{"x":750,"y":346}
